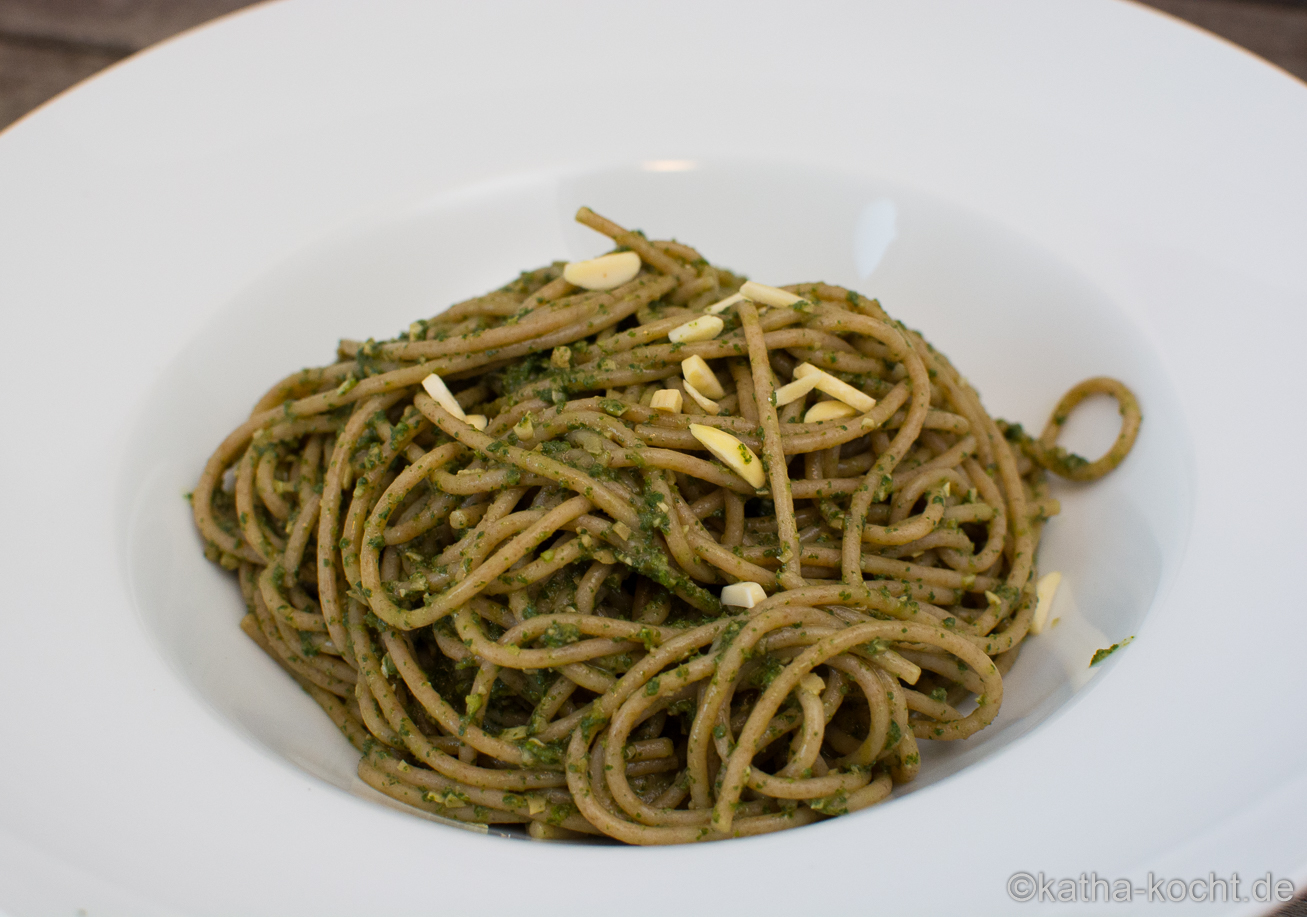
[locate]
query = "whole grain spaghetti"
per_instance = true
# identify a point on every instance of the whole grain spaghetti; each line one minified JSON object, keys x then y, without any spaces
{"x":632,"y":547}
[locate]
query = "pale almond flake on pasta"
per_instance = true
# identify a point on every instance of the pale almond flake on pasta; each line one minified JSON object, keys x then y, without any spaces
{"x":769,"y":296}
{"x":743,"y":595}
{"x":667,"y":401}
{"x":698,"y":373}
{"x":606,"y":272}
{"x":441,"y":395}
{"x":836,"y":388}
{"x":722,"y":305}
{"x":793,"y":391}
{"x":703,"y":328}
{"x":709,"y":406}
{"x":732,"y":453}
{"x":1045,"y":590}
{"x":828,"y":410}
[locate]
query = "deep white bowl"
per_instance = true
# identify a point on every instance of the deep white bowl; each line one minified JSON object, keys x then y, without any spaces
{"x":1049,"y":191}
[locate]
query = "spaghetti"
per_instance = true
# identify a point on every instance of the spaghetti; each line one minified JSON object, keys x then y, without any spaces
{"x":516,"y":615}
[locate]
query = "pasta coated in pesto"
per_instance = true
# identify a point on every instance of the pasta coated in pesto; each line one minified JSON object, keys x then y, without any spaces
{"x":507,"y":596}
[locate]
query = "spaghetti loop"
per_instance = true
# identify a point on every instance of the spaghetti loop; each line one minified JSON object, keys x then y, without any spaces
{"x":1057,"y":459}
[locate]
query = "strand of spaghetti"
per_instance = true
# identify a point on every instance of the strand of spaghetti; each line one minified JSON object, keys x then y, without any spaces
{"x":417,"y":742}
{"x":636,"y":337}
{"x":577,"y":481}
{"x":256,"y":532}
{"x":300,"y":383}
{"x":636,"y":243}
{"x":366,"y":491}
{"x":482,"y":575}
{"x":625,"y":719}
{"x":1023,"y":545}
{"x":799,"y":440}
{"x":565,"y":327}
{"x":274,"y":602}
{"x":584,"y":774}
{"x":654,"y":479}
{"x":293,"y":660}
{"x":370,"y":550}
{"x":1049,"y":455}
{"x":306,"y":515}
{"x":878,"y":709}
{"x":773,"y":456}
{"x":718,"y":692}
{"x":735,"y":775}
{"x":510,"y":654}
{"x":877,"y":482}
{"x":540,"y":569}
{"x":337,"y":478}
{"x":380,"y":769}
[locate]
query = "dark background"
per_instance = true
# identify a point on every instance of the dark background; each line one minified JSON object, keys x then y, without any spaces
{"x":47,"y":46}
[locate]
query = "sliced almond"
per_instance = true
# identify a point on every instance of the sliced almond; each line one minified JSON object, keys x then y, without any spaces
{"x":828,"y":410}
{"x":769,"y":296}
{"x":743,"y":595}
{"x":1045,"y":589}
{"x":836,"y":388}
{"x":442,"y":396}
{"x":668,"y":401}
{"x":718,"y":308}
{"x":795,"y":390}
{"x":703,"y":328}
{"x":477,"y":422}
{"x":812,"y":683}
{"x":734,"y":454}
{"x":700,"y":375}
{"x":709,"y":406}
{"x":604,"y":272}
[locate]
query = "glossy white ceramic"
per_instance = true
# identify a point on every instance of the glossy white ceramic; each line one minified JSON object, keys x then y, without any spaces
{"x":1049,"y":190}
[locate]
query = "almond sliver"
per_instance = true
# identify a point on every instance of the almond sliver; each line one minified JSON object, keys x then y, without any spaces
{"x":828,"y":410}
{"x":795,"y":390}
{"x":603,"y":273}
{"x":442,"y":396}
{"x":718,"y":308}
{"x":769,"y":296}
{"x":668,"y":401}
{"x":743,"y":595}
{"x":697,"y":372}
{"x":836,"y":388}
{"x":703,"y":328}
{"x":1044,"y":592}
{"x":712,"y":407}
{"x":732,"y":453}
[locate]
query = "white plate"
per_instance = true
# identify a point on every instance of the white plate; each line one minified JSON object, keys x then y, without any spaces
{"x":1048,"y":190}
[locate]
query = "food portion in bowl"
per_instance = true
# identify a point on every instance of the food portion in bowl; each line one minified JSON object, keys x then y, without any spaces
{"x":635,"y":547}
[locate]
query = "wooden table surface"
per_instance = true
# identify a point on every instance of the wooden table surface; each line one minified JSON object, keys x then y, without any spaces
{"x":47,"y":46}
